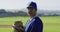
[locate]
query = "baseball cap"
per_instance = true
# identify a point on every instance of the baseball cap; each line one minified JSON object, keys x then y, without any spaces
{"x":32,"y":5}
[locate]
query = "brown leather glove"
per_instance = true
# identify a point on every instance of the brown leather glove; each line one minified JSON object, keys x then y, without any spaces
{"x":19,"y":26}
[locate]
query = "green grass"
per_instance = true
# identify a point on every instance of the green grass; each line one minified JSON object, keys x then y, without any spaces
{"x":11,"y":20}
{"x":51,"y":23}
{"x":6,"y":30}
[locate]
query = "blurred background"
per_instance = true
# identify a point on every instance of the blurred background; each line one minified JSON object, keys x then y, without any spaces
{"x":15,"y":10}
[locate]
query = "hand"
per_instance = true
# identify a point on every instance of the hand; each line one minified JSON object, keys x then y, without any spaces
{"x":20,"y":29}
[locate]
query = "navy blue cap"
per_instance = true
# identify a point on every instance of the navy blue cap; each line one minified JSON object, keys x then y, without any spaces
{"x":33,"y":5}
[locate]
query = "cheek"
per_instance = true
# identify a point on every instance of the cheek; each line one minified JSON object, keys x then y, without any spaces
{"x":31,"y":12}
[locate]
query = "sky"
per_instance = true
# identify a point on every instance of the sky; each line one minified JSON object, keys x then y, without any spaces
{"x":20,"y":4}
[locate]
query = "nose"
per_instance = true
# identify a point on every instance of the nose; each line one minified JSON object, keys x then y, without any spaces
{"x":29,"y":10}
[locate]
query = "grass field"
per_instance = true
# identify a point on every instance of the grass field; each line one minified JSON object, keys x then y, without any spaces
{"x":51,"y":23}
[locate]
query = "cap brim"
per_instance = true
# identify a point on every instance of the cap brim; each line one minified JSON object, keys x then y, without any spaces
{"x":30,"y":7}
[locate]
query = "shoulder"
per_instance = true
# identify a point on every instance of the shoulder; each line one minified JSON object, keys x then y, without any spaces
{"x":37,"y":20}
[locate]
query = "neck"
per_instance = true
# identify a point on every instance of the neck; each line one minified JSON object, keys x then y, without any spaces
{"x":32,"y":16}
